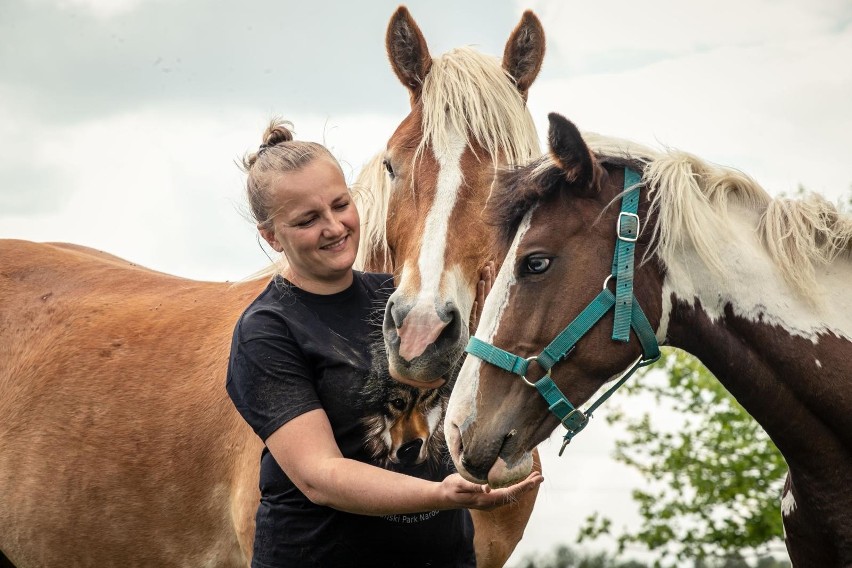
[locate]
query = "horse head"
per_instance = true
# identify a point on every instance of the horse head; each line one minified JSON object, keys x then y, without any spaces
{"x":558,"y":216}
{"x":468,"y":117}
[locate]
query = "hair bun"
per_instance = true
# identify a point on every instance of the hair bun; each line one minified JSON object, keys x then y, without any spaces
{"x":277,"y":132}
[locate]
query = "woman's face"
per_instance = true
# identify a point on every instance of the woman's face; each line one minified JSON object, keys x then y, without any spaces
{"x":315,"y":225}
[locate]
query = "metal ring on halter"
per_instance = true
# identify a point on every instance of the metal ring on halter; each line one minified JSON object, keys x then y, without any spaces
{"x":606,"y":281}
{"x":523,"y":377}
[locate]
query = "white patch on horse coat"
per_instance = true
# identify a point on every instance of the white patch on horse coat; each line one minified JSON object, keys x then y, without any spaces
{"x":818,"y":364}
{"x":461,"y":408}
{"x":665,"y":316}
{"x":756,"y":290}
{"x":422,"y":324}
{"x":434,"y":241}
{"x":788,"y":504}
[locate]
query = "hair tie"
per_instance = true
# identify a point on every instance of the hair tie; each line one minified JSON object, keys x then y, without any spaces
{"x":262,"y":148}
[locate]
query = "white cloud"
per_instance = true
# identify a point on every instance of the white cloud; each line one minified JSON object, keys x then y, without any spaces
{"x":583,"y":33}
{"x":100,"y":9}
{"x":776,"y":110}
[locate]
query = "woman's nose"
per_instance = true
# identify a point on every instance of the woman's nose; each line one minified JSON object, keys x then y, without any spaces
{"x":333,"y":225}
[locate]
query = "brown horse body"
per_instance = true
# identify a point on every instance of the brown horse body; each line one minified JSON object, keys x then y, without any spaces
{"x":756,"y":288}
{"x":118,"y":443}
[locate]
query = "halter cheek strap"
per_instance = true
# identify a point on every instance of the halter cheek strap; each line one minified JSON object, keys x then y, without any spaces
{"x":628,"y":315}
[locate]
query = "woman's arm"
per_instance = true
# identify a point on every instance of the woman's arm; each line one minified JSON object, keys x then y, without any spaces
{"x":307,"y":452}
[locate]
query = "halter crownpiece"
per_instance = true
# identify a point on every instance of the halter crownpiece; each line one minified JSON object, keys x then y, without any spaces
{"x":628,"y":315}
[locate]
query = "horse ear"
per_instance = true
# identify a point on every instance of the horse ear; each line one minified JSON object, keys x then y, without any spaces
{"x":524,"y":52}
{"x":570,"y":152}
{"x":407,"y":51}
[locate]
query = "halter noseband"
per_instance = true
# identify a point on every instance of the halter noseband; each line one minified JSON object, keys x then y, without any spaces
{"x":628,"y":315}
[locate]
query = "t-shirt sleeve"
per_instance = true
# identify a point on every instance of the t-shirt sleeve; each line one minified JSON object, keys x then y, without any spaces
{"x":269,"y":379}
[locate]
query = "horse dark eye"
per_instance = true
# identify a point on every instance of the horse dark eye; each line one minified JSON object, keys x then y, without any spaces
{"x":398,"y":403}
{"x":389,"y":168}
{"x":536,"y":264}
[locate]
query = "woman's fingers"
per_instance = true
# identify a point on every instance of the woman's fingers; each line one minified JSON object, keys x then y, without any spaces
{"x":483,"y":496}
{"x":483,"y":287}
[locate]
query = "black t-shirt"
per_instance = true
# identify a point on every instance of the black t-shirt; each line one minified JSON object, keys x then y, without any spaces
{"x":293,"y":352}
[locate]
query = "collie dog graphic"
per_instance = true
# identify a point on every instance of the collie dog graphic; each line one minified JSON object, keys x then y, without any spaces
{"x":404,"y":425}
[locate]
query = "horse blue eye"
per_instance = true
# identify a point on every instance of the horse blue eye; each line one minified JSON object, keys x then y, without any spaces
{"x":536,"y":264}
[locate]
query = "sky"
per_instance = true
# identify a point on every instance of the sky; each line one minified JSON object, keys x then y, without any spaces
{"x":121,"y":122}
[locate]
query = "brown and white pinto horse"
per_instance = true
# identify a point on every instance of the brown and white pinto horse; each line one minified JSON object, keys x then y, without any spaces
{"x":756,"y":288}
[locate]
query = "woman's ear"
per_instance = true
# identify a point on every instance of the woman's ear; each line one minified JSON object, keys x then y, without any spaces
{"x":268,"y":235}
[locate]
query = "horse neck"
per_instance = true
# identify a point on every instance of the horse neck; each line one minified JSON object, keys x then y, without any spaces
{"x":784,"y":356}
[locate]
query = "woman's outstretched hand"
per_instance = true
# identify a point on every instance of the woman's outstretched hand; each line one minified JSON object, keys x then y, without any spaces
{"x":469,"y":495}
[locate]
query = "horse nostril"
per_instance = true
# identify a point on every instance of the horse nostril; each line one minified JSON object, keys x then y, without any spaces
{"x":396,"y":314}
{"x":409,"y":452}
{"x":452,"y":331}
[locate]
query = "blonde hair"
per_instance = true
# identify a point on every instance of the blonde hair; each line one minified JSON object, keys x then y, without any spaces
{"x":279,"y":153}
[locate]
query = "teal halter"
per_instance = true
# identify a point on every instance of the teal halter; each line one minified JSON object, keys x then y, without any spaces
{"x":628,"y":315}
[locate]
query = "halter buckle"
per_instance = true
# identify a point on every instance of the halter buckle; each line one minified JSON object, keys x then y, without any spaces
{"x":577,"y":420}
{"x":618,"y":229}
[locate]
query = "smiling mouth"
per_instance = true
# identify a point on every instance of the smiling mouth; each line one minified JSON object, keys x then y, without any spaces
{"x":336,"y":245}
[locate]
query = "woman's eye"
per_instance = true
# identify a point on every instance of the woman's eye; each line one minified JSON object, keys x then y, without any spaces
{"x":536,"y":264}
{"x":306,"y":222}
{"x":342,"y":206}
{"x":389,"y":168}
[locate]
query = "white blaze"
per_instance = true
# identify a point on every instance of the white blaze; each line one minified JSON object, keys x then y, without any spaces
{"x":461,"y":407}
{"x":434,"y":243}
{"x":423,"y":325}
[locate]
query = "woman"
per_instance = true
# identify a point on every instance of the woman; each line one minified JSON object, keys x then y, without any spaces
{"x":299,"y":359}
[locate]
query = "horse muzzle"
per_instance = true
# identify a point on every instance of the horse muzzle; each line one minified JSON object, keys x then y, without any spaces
{"x":424,"y":340}
{"x":496,"y":460}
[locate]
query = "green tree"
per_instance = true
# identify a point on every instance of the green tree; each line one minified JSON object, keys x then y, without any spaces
{"x":713,"y":480}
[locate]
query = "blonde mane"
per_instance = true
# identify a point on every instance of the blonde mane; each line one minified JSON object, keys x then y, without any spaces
{"x":690,"y":197}
{"x":465,"y":91}
{"x":469,"y":92}
{"x":371,"y":193}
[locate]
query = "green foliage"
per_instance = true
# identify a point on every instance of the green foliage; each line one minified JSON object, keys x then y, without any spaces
{"x":713,"y":480}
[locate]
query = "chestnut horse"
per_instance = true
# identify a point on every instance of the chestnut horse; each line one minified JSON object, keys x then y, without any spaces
{"x":468,"y":117}
{"x":756,"y":288}
{"x":118,"y":444}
